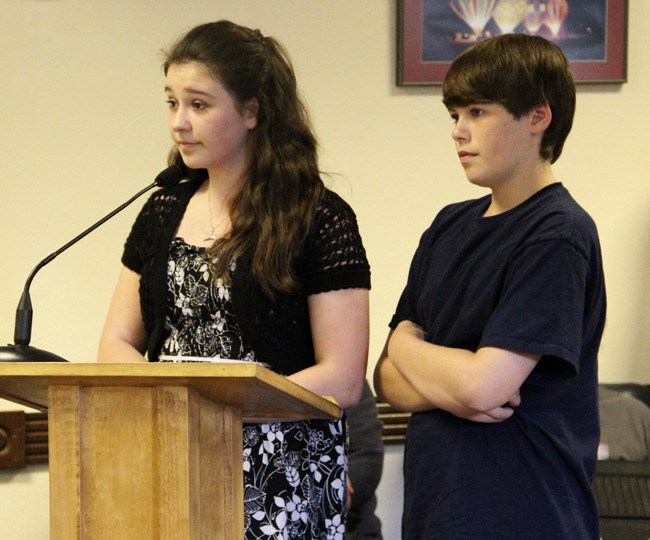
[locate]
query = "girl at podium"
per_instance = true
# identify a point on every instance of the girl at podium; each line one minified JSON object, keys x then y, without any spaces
{"x":251,"y":258}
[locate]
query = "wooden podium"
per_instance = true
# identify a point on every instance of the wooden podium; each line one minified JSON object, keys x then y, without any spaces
{"x":148,"y":451}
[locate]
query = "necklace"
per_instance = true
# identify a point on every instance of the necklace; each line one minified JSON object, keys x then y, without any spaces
{"x":212,"y":235}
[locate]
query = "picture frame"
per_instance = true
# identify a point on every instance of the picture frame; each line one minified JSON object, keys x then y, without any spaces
{"x":431,"y":33}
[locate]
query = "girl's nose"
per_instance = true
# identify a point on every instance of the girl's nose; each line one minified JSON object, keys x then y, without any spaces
{"x":178,"y":120}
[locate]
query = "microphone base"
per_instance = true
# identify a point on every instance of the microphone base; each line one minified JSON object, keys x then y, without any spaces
{"x":25,"y":353}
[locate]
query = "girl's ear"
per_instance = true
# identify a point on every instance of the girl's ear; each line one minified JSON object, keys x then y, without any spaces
{"x":251,"y":108}
{"x":540,"y":118}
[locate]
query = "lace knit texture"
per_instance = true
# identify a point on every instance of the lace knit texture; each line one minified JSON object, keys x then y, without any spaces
{"x":332,"y":258}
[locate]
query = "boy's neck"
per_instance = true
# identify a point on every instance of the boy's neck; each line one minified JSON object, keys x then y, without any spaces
{"x":510,"y":195}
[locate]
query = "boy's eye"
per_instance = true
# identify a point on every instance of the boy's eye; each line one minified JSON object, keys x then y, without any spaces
{"x":476,"y":112}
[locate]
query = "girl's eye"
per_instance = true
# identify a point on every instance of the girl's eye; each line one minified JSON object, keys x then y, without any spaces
{"x":171,"y":103}
{"x":198,"y":105}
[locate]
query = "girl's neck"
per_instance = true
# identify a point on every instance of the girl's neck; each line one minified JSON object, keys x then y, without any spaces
{"x":223,"y":187}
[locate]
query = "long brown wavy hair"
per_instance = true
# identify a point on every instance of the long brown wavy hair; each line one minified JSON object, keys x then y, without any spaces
{"x":272,"y":212}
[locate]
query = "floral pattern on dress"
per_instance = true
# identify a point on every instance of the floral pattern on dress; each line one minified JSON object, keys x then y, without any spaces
{"x":200,"y":321}
{"x":303,"y":464}
{"x":295,"y":473}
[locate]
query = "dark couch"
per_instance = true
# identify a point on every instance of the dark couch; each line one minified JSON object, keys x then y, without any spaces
{"x":622,"y":488}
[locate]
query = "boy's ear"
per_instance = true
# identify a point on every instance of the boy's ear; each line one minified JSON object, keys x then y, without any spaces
{"x":540,"y":118}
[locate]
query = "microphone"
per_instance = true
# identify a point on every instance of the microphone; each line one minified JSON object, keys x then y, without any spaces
{"x":21,"y":351}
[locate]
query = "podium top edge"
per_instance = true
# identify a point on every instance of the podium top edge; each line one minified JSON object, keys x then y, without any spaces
{"x":126,"y":368}
{"x":37,"y":376}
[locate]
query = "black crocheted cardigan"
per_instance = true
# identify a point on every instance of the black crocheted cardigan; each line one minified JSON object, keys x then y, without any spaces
{"x":332,"y":258}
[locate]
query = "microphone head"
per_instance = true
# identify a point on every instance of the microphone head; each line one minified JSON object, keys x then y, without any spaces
{"x":169,"y":177}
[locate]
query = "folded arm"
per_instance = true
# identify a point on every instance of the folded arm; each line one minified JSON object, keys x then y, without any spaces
{"x":392,"y":387}
{"x":480,"y":386}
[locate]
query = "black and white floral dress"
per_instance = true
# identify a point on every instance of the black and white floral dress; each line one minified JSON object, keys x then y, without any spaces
{"x":294,"y":472}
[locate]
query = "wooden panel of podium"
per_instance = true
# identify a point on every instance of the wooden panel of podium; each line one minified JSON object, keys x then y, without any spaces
{"x":149,"y":451}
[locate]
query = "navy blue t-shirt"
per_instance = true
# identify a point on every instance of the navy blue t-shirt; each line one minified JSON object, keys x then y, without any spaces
{"x":528,"y":280}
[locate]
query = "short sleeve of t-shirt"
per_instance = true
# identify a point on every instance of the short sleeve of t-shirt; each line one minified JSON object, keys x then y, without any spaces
{"x":406,"y":307}
{"x":541,"y":307}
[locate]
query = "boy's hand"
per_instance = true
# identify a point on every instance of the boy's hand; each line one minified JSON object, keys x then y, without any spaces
{"x":496,"y":415}
{"x":411,"y":328}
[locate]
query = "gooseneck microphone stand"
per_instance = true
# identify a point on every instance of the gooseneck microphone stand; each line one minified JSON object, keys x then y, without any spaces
{"x":20,"y":350}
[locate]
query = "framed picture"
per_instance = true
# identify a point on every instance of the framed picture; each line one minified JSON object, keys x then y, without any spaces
{"x":431,"y":33}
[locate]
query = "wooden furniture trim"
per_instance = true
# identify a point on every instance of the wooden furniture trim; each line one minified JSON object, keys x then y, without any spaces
{"x":28,"y":445}
{"x":23,"y":439}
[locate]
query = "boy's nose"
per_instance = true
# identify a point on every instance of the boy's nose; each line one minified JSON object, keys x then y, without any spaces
{"x":459,"y":132}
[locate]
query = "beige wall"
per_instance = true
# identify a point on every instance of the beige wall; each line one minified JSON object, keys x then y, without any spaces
{"x":83,"y":125}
